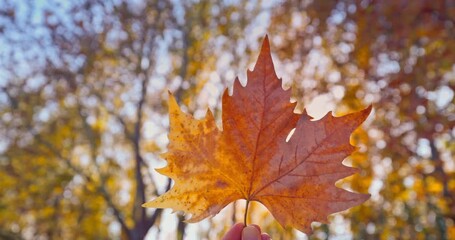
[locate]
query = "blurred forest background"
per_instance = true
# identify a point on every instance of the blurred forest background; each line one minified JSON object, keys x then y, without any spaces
{"x":83,"y":111}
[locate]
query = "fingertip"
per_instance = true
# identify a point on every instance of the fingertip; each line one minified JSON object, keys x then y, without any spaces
{"x":238,"y":225}
{"x":265,"y":236}
{"x":251,"y":233}
{"x":235,"y":232}
{"x":256,"y":226}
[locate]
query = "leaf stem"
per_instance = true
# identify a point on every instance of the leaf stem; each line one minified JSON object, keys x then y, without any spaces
{"x":246,"y":212}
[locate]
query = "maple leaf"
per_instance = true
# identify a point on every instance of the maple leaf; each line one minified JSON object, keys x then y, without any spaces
{"x":251,"y":159}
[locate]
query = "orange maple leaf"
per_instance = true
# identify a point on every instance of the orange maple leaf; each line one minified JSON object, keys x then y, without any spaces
{"x":251,"y":159}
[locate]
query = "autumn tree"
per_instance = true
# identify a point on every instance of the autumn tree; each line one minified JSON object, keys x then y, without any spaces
{"x":83,"y":106}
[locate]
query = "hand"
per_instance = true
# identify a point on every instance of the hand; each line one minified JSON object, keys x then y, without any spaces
{"x":251,"y":232}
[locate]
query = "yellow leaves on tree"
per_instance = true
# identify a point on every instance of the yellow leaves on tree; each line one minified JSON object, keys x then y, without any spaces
{"x":251,"y":159}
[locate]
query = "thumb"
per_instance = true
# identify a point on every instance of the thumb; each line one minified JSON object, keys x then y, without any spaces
{"x":251,"y":233}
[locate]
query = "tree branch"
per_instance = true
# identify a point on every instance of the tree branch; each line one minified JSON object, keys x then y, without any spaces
{"x":140,"y":187}
{"x":118,"y":215}
{"x":150,"y":221}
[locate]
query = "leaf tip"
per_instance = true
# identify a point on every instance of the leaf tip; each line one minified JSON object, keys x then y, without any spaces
{"x":146,"y":205}
{"x":265,"y":44}
{"x":172,"y":102}
{"x":162,"y":171}
{"x":369,"y":109}
{"x":364,"y":197}
{"x":366,"y":112}
{"x":304,"y":116}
